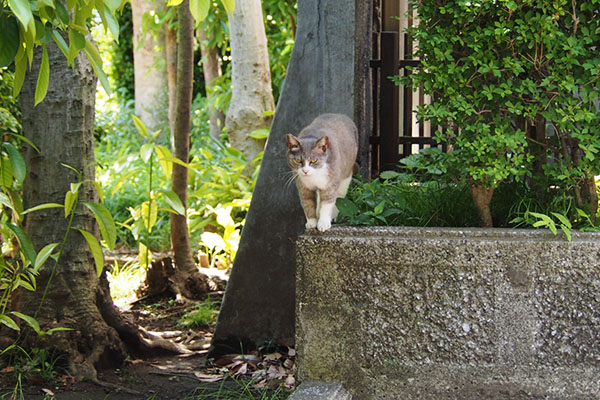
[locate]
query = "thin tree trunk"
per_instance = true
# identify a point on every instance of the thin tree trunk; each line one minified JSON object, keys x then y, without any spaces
{"x":252,"y":94}
{"x":482,"y":197}
{"x":188,"y":282}
{"x":212,"y":70}
{"x":171,"y":53}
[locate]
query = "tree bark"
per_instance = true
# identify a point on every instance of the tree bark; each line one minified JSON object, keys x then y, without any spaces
{"x":171,"y":53}
{"x":211,"y":68}
{"x":482,"y":197}
{"x":150,"y":82}
{"x":251,"y":78}
{"x":188,"y":282}
{"x":62,"y":127}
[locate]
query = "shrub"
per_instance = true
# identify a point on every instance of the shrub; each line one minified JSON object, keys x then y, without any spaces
{"x":515,"y":86}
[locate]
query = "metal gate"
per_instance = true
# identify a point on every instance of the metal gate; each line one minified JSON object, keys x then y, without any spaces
{"x":396,"y":133}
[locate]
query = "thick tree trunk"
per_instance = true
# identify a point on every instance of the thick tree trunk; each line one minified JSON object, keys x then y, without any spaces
{"x":212,"y":70}
{"x":151,"y":96}
{"x":251,"y":78}
{"x":188,"y":282}
{"x":62,"y":128}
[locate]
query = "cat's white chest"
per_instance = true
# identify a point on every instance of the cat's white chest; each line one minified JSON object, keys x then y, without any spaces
{"x":314,"y":179}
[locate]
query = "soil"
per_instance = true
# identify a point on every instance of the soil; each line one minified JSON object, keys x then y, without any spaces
{"x":188,"y":376}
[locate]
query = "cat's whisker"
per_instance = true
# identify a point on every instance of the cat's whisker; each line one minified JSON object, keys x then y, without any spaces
{"x":289,"y":179}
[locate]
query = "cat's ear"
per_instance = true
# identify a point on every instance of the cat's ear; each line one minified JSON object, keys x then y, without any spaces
{"x":292,"y":142}
{"x":322,"y":145}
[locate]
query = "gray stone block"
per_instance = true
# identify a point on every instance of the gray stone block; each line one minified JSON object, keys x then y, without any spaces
{"x":450,"y":313}
{"x":320,"y":391}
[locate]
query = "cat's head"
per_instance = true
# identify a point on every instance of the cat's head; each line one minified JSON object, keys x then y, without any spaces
{"x":306,"y":155}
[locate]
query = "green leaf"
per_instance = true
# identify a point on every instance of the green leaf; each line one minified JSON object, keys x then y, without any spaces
{"x":43,"y":255}
{"x":174,"y":201}
{"x":174,"y":3}
{"x":70,"y":199}
{"x":163,"y":154}
{"x":77,"y":43}
{"x":9,"y":45}
{"x":259,"y":134}
{"x":563,"y":220}
{"x":141,"y":127}
{"x":149,"y":214}
{"x":18,"y":163}
{"x":20,"y":71}
{"x":389,"y":175}
{"x":42,"y":207}
{"x":379,"y":207}
{"x":58,"y":329}
{"x":347,"y":207}
{"x":95,"y":249}
{"x":30,"y":321}
{"x":199,"y":9}
{"x":105,"y":222}
{"x":22,"y":10}
{"x":6,"y":320}
{"x":146,"y":151}
{"x":144,"y":255}
{"x":93,"y":55}
{"x":99,"y":190}
{"x":176,"y":161}
{"x":41,"y":87}
{"x":26,"y":245}
{"x":229,"y":6}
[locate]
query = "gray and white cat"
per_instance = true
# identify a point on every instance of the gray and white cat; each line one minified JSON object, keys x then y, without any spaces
{"x":322,"y":157}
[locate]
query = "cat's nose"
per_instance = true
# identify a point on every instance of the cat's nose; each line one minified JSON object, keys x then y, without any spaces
{"x":304,"y":171}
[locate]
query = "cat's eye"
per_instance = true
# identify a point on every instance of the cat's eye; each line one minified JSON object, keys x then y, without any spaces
{"x":298,"y":160}
{"x":313,"y":161}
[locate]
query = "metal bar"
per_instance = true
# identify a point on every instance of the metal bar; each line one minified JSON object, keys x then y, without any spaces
{"x":388,"y":106}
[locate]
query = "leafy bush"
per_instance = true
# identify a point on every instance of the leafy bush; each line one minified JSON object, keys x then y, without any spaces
{"x":515,"y":85}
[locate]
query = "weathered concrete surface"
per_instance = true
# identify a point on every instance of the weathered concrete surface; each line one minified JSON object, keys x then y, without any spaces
{"x":320,"y":391}
{"x":322,"y":77}
{"x":417,"y":313}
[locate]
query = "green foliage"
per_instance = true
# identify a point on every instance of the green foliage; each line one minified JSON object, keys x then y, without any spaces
{"x":397,"y":199}
{"x":241,"y":389}
{"x":201,"y":315}
{"x":496,"y":68}
{"x":25,"y":25}
{"x":122,"y":53}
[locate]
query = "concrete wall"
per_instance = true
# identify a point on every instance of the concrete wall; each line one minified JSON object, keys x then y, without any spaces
{"x":417,"y":313}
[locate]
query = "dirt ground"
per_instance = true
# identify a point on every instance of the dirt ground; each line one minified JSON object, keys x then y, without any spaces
{"x":188,"y":376}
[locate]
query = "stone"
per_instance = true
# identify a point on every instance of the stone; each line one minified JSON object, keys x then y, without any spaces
{"x":320,"y":391}
{"x":441,"y":313}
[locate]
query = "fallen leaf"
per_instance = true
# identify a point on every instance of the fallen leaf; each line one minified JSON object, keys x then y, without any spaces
{"x":290,"y":382}
{"x":208,"y":377}
{"x":273,"y":357}
{"x":48,"y":392}
{"x":7,"y":370}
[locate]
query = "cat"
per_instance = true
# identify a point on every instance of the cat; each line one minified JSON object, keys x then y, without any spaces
{"x":322,"y":158}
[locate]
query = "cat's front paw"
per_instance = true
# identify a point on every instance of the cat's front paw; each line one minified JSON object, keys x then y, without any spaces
{"x":311,"y":223}
{"x":324,"y":224}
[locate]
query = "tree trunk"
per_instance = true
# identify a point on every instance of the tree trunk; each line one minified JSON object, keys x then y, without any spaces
{"x":188,"y":282}
{"x":171,"y":53}
{"x":212,"y":70}
{"x":62,"y":127}
{"x":482,"y":197}
{"x":251,"y":78}
{"x":150,"y":82}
